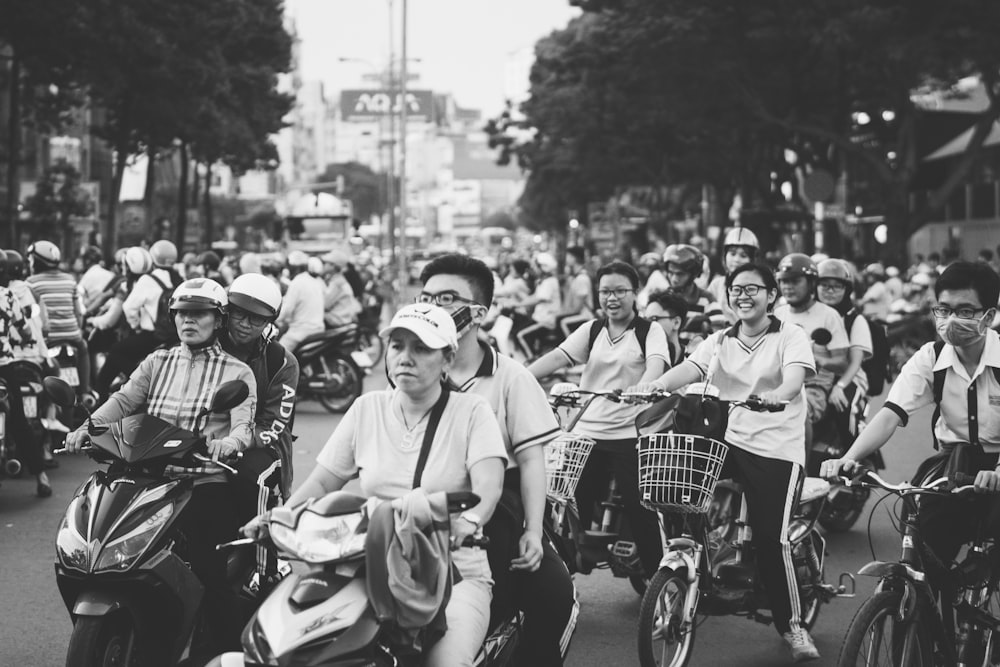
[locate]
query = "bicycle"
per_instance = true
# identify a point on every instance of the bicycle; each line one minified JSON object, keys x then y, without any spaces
{"x":702,"y":570}
{"x":902,"y":624}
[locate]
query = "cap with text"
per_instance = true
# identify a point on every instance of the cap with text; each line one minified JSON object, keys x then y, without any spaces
{"x":431,"y":324}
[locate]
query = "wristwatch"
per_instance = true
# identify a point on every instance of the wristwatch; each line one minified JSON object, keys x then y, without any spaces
{"x":472,"y":518}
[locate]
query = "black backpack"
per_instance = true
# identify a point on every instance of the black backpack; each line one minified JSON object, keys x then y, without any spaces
{"x":877,"y":366}
{"x":164,"y":328}
{"x":641,"y":331}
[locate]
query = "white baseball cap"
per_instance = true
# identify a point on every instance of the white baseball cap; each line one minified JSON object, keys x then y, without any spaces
{"x":431,"y":324}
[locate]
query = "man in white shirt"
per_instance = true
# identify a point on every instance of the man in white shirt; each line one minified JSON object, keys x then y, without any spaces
{"x":302,"y":310}
{"x":97,"y":284}
{"x":578,"y":306}
{"x":547,"y":302}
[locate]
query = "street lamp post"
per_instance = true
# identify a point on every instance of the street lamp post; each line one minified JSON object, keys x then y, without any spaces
{"x":402,"y":154}
{"x":13,"y":147}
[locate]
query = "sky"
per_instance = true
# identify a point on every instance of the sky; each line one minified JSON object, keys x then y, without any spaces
{"x":462,"y":44}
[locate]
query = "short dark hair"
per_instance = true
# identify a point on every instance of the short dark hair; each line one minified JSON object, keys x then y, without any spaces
{"x":765,"y":274}
{"x":577,"y":253}
{"x":971,"y":275}
{"x":620,"y":268}
{"x":672,"y":302}
{"x":473,"y":270}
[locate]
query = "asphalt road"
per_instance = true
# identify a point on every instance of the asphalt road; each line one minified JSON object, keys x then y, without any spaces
{"x":35,"y":628}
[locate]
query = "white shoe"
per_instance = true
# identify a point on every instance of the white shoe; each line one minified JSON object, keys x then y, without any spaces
{"x":801,"y":644}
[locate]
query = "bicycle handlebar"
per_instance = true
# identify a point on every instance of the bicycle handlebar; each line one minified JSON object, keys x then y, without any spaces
{"x":871,"y":479}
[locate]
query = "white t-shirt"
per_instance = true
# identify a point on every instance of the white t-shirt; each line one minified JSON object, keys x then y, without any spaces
{"x":744,"y":371}
{"x":860,"y":336}
{"x":612,"y":364}
{"x":371,"y":443}
{"x":551,"y":302}
{"x":657,"y":282}
{"x":818,"y":316}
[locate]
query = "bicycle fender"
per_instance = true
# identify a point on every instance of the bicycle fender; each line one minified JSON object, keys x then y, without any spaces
{"x":679,"y":560}
{"x":99,"y":603}
{"x":884,"y":570}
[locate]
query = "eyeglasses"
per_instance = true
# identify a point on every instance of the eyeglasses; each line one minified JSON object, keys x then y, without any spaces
{"x":740,"y":290}
{"x":619,"y":293}
{"x":833,"y":286}
{"x":966,"y":313}
{"x":444,"y":299}
{"x":240,"y":315}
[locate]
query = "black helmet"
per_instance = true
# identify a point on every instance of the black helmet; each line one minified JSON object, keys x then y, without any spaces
{"x":15,"y":264}
{"x":794,"y":266}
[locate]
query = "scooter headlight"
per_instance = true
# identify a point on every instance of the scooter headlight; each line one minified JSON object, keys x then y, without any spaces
{"x":71,"y":547}
{"x":121,"y":552}
{"x":321,"y":539}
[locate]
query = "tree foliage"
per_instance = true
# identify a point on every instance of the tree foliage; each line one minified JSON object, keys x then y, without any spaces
{"x":363,"y":187}
{"x":57,"y":198}
{"x":671,"y":92}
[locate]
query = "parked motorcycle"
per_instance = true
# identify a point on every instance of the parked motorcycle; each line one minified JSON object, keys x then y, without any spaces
{"x":332,"y":368}
{"x":324,"y":616}
{"x":120,"y":564}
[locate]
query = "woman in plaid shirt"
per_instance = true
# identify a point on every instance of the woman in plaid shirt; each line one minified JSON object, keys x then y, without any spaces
{"x":175,"y":384}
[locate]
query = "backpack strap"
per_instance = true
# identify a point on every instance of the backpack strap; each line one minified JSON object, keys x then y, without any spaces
{"x":849,"y":318}
{"x":158,"y":281}
{"x":432,"y":426}
{"x":595,"y":331}
{"x":640,"y":324}
{"x":938,"y":391}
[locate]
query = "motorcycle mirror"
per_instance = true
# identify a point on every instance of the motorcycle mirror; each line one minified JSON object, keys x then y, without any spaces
{"x":59,"y":391}
{"x":229,"y":395}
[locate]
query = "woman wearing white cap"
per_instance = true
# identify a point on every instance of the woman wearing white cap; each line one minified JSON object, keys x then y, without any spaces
{"x":380,"y":439}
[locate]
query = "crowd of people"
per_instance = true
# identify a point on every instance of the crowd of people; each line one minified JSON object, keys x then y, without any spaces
{"x":459,"y":415}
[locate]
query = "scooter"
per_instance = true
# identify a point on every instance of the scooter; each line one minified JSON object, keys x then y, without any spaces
{"x":324,"y":616}
{"x":28,"y":376}
{"x":120,"y":559}
{"x":332,"y":368}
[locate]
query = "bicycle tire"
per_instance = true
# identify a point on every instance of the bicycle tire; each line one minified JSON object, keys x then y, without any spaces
{"x":908,"y":645}
{"x":668,"y":631}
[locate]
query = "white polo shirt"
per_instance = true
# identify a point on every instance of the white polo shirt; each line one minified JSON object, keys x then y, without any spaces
{"x":818,"y":316}
{"x":744,"y":371}
{"x":612,"y":364}
{"x":517,"y":400}
{"x":860,"y":337}
{"x":914,"y":388}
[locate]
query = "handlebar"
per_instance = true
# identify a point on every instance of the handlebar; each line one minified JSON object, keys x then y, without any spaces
{"x":868,"y":478}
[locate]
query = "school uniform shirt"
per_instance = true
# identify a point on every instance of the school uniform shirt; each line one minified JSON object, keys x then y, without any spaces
{"x":142,"y":305}
{"x":743,"y":371}
{"x":818,"y":316}
{"x":372,"y":443}
{"x":914,"y":388}
{"x":860,"y":337}
{"x":612,"y":364}
{"x":517,"y":400}
{"x":548,"y":308}
{"x":579,"y":295}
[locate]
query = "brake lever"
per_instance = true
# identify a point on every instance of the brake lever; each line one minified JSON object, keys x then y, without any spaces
{"x":209,"y":459}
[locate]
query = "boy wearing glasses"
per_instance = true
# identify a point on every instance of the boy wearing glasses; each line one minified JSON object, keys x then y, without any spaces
{"x":961,"y":376}
{"x":669,"y":310}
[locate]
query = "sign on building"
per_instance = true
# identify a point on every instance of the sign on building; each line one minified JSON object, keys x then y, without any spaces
{"x":363,"y":106}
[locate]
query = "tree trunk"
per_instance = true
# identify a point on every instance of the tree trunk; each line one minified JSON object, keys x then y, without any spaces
{"x":209,"y":231}
{"x":182,"y":197}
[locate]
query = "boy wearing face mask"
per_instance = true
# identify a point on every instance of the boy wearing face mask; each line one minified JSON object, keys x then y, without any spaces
{"x":967,"y":297}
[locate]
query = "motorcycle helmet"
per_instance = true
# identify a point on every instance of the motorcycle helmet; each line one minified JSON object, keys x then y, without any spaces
{"x":3,"y":266}
{"x":650,"y":259}
{"x":297,"y":258}
{"x":835,"y":269}
{"x":687,"y":257}
{"x":315,"y":266}
{"x":257,"y":294}
{"x":875,"y":269}
{"x":210,"y":260}
{"x":742,"y":237}
{"x":44,"y":254}
{"x":795,"y":265}
{"x":200,"y":294}
{"x":15,"y":264}
{"x":138,"y":261}
{"x":546,"y":262}
{"x":164,"y":254}
{"x":92,"y":255}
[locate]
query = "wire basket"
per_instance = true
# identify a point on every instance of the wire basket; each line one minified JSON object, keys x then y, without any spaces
{"x":565,"y":457}
{"x":678,"y":472}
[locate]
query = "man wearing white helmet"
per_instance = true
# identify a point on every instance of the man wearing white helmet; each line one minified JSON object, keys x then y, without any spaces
{"x":876,"y":300}
{"x":254,"y":304}
{"x":340,"y":305}
{"x":302,"y":313}
{"x":547,"y":302}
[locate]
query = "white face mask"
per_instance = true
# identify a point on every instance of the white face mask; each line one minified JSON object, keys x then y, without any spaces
{"x":962,"y":332}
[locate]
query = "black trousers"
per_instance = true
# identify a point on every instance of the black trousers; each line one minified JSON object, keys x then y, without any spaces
{"x":258,"y":476}
{"x":124,"y":357}
{"x":771,"y":490}
{"x":620,"y":458}
{"x":546,"y":596}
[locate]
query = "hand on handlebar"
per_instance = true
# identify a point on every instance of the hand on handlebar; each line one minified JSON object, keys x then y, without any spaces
{"x":987,"y":481}
{"x":256,"y":528}
{"x":76,"y":441}
{"x":461,"y":529}
{"x":644,"y":388}
{"x":771,"y":399}
{"x":834,"y":469}
{"x":221,"y":449}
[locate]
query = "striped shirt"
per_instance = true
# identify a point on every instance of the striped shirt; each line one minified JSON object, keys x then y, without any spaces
{"x":56,"y":293}
{"x":175,"y":385}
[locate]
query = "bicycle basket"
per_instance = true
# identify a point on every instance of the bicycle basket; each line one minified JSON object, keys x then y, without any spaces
{"x":565,"y":457}
{"x":678,"y":472}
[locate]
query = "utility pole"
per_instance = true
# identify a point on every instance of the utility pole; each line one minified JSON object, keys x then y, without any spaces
{"x":391,"y":172}
{"x":14,"y":150}
{"x":402,"y":155}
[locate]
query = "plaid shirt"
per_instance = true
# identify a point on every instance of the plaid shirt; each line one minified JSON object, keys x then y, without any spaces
{"x":175,"y":385}
{"x":11,"y":321}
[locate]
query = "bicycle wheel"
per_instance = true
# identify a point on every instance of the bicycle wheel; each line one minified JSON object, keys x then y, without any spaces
{"x":877,"y":638}
{"x":663,"y":642}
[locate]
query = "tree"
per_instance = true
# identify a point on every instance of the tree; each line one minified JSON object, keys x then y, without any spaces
{"x":364,"y":188}
{"x":57,"y":198}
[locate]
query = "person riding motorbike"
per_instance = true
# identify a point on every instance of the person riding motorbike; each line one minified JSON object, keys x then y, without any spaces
{"x":62,"y":312}
{"x":685,"y":264}
{"x":32,"y":348}
{"x":959,"y":375}
{"x":176,"y":385}
{"x":341,"y":306}
{"x":651,"y":277}
{"x":379,"y":441}
{"x":545,"y":304}
{"x":254,"y":304}
{"x":762,"y":356}
{"x":528,"y":572}
{"x":740,"y":246}
{"x":302,"y":313}
{"x":797,"y":276}
{"x":578,"y":304}
{"x":97,"y":284}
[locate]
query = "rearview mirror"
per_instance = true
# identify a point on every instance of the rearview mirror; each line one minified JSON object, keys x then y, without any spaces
{"x":229,"y":395}
{"x":61,"y":393}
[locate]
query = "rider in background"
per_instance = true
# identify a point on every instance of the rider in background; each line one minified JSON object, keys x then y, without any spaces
{"x":97,"y":284}
{"x":614,"y":361}
{"x":32,"y":348}
{"x":651,"y":277}
{"x":547,"y":302}
{"x":762,"y":356}
{"x":578,"y":304}
{"x":738,"y":248}
{"x":341,"y":306}
{"x":876,"y":300}
{"x":302,"y":313}
{"x":62,"y":312}
{"x":968,"y":420}
{"x":797,"y":278}
{"x":669,"y":310}
{"x":685,"y":264}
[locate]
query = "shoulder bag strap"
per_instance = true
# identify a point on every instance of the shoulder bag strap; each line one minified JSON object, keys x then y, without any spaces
{"x":432,"y":426}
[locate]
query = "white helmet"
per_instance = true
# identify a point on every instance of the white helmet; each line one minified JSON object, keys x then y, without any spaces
{"x":297,"y":258}
{"x":741,"y":236}
{"x":164,"y":254}
{"x":200,"y":294}
{"x":256,"y":293}
{"x":138,"y":260}
{"x":315,"y":266}
{"x":546,"y":262}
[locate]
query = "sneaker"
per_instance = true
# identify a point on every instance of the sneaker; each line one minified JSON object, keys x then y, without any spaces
{"x":801,"y":644}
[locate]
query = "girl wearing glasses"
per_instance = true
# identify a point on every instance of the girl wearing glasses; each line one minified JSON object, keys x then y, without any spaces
{"x":614,"y":360}
{"x":760,"y":355}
